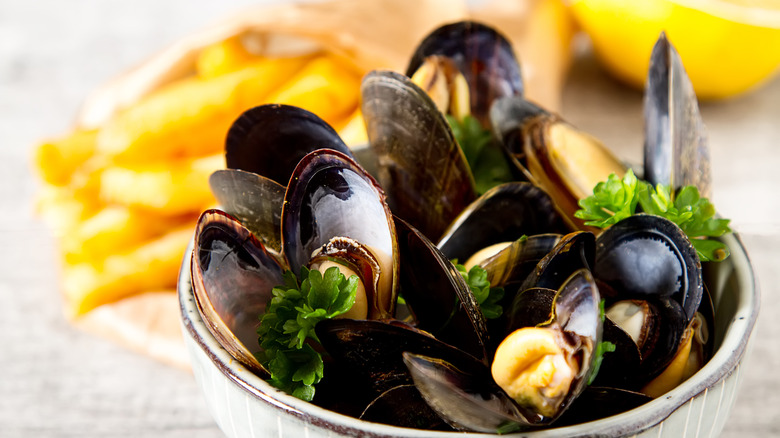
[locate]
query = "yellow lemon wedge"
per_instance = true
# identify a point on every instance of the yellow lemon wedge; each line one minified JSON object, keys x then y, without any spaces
{"x":727,"y":46}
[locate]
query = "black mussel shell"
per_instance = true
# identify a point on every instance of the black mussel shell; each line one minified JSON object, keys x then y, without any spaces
{"x":403,"y":406}
{"x":676,"y":150}
{"x":512,"y":265}
{"x":466,"y":400}
{"x":530,"y":308}
{"x":233,"y":276}
{"x":422,"y":167}
{"x":437,"y":295}
{"x":255,"y":200}
{"x":269,"y":140}
{"x":503,"y":214}
{"x":508,"y":117}
{"x":649,"y":257}
{"x":372,"y":350}
{"x":482,"y":54}
{"x":619,"y":368}
{"x":575,"y":251}
{"x":597,"y":402}
{"x":331,"y":196}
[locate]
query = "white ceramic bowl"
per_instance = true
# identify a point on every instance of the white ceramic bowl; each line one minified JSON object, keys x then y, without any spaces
{"x":244,"y":405}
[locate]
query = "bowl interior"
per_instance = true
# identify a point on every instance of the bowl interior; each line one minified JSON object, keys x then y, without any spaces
{"x":735,"y":297}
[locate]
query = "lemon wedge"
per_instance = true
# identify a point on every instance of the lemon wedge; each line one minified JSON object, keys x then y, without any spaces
{"x":727,"y":46}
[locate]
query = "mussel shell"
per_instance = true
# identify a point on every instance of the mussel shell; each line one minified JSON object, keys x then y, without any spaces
{"x":269,"y":140}
{"x":513,"y":264}
{"x":437,"y":295}
{"x":422,"y":167}
{"x":466,"y":400}
{"x":482,"y":54}
{"x":565,"y":173}
{"x":649,"y":257}
{"x":233,"y":276}
{"x":676,"y":153}
{"x":331,"y":196}
{"x":403,"y":406}
{"x":530,"y":308}
{"x":255,"y":200}
{"x":508,"y":118}
{"x":575,"y":251}
{"x":372,"y":350}
{"x":619,"y":368}
{"x":597,"y":402}
{"x":503,"y":214}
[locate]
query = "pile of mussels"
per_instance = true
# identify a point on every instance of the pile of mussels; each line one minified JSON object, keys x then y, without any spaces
{"x":295,"y":195}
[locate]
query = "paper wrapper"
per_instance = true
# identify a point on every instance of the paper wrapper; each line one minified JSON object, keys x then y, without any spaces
{"x":368,"y":34}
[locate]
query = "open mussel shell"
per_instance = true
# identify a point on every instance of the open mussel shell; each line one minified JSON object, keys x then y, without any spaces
{"x":597,"y":402}
{"x":566,"y":162}
{"x":232,"y":276}
{"x":255,"y":200}
{"x":372,"y":350}
{"x":468,"y":401}
{"x":330,"y":196}
{"x":573,"y":252}
{"x":422,"y":167}
{"x":484,"y":57}
{"x":676,"y":153}
{"x":649,"y":257}
{"x":514,"y":264}
{"x":503,"y":214}
{"x":269,"y":140}
{"x":403,"y":406}
{"x":437,"y":295}
{"x":508,"y":118}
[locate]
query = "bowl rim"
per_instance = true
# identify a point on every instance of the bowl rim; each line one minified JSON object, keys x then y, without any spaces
{"x":722,"y":364}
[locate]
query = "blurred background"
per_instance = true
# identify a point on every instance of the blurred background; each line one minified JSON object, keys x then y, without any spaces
{"x":60,"y":378}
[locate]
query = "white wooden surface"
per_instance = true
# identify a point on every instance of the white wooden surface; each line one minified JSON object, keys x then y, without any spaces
{"x":57,"y":381}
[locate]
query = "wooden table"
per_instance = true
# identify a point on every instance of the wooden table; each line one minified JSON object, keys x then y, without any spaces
{"x":58,"y":381}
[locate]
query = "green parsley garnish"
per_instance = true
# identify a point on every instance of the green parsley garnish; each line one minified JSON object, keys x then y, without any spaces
{"x":616,"y":199}
{"x":486,"y":160}
{"x":289,"y":320}
{"x":601,"y":348}
{"x":487,"y":297}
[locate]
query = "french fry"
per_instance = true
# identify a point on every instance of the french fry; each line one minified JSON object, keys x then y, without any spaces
{"x":170,"y":188}
{"x":223,"y":57}
{"x":57,"y":160}
{"x":151,"y":266}
{"x":325,"y":87}
{"x":113,"y":228}
{"x":191,"y":117}
{"x":62,"y":208}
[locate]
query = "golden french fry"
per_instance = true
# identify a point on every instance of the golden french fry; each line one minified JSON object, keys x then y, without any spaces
{"x":191,"y":117}
{"x":170,"y":188}
{"x":62,"y":208}
{"x":223,"y":57}
{"x":151,"y":266}
{"x":353,"y":131}
{"x":114,"y":228}
{"x":56,"y":160}
{"x":325,"y":87}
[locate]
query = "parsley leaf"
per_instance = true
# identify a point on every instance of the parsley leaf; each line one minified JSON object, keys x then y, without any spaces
{"x":601,"y":348}
{"x":485,"y":158}
{"x":617,"y":199}
{"x":487,"y":297}
{"x":289,"y":320}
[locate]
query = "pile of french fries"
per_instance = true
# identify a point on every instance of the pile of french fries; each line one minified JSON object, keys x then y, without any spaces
{"x":123,"y":198}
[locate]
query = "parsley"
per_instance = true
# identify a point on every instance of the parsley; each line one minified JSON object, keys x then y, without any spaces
{"x":289,"y":320}
{"x":487,"y":297}
{"x":487,"y":162}
{"x":617,"y":199}
{"x":601,"y":348}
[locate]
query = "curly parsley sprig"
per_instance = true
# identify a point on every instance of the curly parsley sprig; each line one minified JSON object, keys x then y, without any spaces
{"x":616,"y":199}
{"x":485,"y":159}
{"x":289,"y":320}
{"x":487,"y":297}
